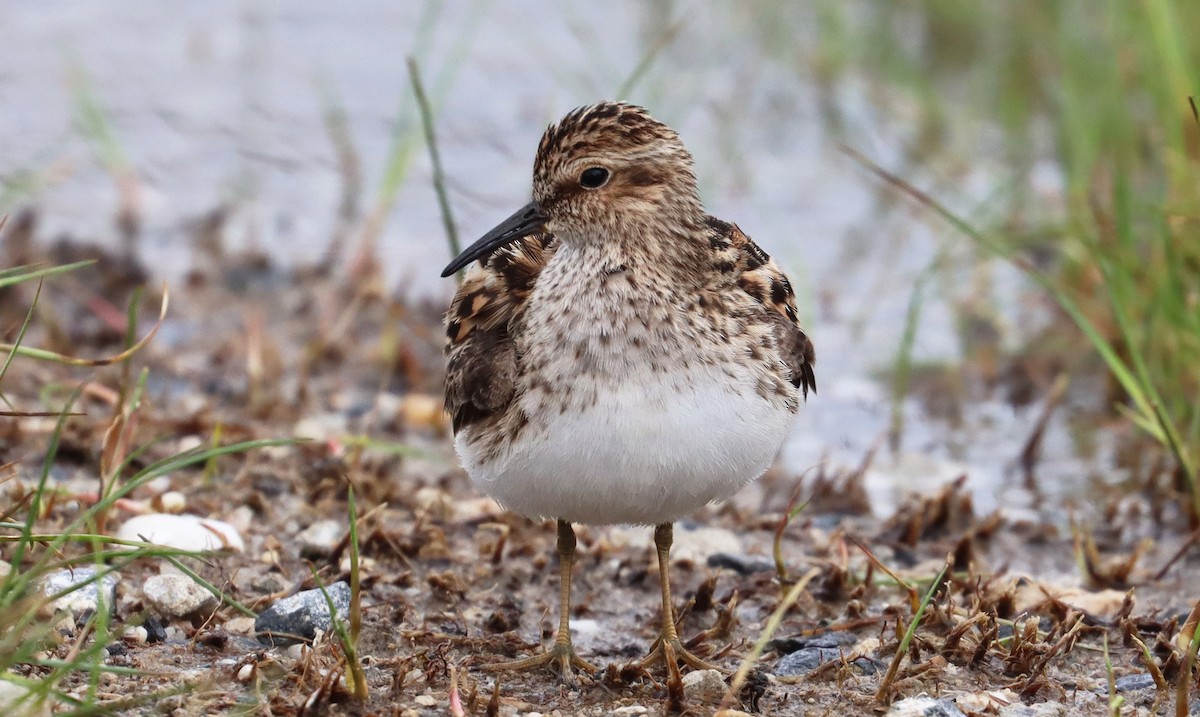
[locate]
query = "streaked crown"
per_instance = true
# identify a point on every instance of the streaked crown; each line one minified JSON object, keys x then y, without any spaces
{"x":639,"y":163}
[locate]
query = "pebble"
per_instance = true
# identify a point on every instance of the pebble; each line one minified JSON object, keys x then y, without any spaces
{"x":924,"y":706}
{"x":155,"y":631}
{"x":804,"y":654}
{"x":183,"y":532}
{"x":12,"y":694}
{"x":319,"y":539}
{"x":301,"y":615}
{"x":690,"y":545}
{"x":1041,"y":709}
{"x":696,"y":544}
{"x":742,"y":564}
{"x":241,"y":625}
{"x":1131,"y":683}
{"x":704,"y":686}
{"x":426,"y":700}
{"x":245,"y":673}
{"x":177,"y":596}
{"x":170,"y":502}
{"x":804,"y":661}
{"x":85,"y":599}
{"x":5,"y":569}
{"x":630,"y":711}
{"x":322,"y":427}
{"x":731,"y":713}
{"x":136,"y":634}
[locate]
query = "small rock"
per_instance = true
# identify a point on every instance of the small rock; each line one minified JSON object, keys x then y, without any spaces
{"x":1041,"y":709}
{"x":245,"y":672}
{"x":423,"y":410}
{"x":155,"y":632}
{"x":16,"y":701}
{"x":741,"y":564}
{"x":136,"y":634}
{"x":172,"y":502}
{"x":300,"y":616}
{"x":696,"y":544}
{"x":802,"y":662}
{"x":86,"y":597}
{"x":322,"y":427}
{"x":426,"y":700}
{"x":731,"y":713}
{"x":241,"y":625}
{"x":924,"y":706}
{"x":476,"y":510}
{"x":630,"y":711}
{"x":177,"y":596}
{"x":805,"y":654}
{"x":319,"y":539}
{"x":1130,"y":683}
{"x":832,"y":640}
{"x":184,"y":532}
{"x":5,"y":569}
{"x":704,"y":686}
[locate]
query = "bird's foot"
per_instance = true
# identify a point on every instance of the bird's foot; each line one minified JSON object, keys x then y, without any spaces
{"x":561,"y":655}
{"x":670,"y":651}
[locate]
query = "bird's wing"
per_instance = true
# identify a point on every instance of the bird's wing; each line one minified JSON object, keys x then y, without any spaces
{"x":760,"y":277}
{"x":481,"y":369}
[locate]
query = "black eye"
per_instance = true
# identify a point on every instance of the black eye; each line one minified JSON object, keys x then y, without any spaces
{"x":593,"y":177}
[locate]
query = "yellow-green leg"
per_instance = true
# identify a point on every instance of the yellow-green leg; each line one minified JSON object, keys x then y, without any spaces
{"x":668,"y":649}
{"x":561,"y":654}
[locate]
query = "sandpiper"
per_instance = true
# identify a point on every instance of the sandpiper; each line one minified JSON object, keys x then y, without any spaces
{"x":618,"y":356}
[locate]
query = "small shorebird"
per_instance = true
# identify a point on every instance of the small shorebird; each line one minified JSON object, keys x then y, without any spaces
{"x":618,"y":356}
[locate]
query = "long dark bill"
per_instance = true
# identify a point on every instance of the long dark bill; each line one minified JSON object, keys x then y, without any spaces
{"x":527,"y":220}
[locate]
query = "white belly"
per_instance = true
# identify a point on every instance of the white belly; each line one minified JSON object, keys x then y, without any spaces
{"x":642,"y":454}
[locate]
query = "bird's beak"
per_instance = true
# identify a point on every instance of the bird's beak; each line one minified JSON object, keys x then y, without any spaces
{"x":529,"y":219}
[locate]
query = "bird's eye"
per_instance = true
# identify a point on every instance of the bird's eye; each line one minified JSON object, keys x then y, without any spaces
{"x":593,"y":177}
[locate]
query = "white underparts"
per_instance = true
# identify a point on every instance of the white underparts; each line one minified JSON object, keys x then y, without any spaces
{"x":643,"y":453}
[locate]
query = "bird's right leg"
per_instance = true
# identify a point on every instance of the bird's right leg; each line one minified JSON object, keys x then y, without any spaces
{"x":562,"y":653}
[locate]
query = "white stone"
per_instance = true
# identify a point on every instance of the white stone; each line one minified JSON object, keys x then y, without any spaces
{"x":136,"y":634}
{"x":184,"y":532}
{"x":245,"y":673}
{"x":320,"y":538}
{"x":630,"y":710}
{"x":12,"y":695}
{"x":177,"y":596}
{"x":86,"y":595}
{"x":241,"y":625}
{"x":321,"y":427}
{"x":704,"y":686}
{"x":172,"y":502}
{"x":426,"y":700}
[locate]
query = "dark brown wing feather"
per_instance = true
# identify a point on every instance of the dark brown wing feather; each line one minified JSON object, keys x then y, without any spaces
{"x":481,"y":369}
{"x":758,"y":275}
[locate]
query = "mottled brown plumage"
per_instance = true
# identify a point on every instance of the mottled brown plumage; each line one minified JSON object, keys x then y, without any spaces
{"x":617,"y":355}
{"x":482,"y":367}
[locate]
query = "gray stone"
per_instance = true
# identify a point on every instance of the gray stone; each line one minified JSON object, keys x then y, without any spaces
{"x":1039,"y":709}
{"x":805,"y":654}
{"x":741,"y":564}
{"x":924,"y":706}
{"x":703,"y":686}
{"x":297,"y":618}
{"x":86,"y":597}
{"x":1130,"y":683}
{"x":804,"y":661}
{"x":177,"y":596}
